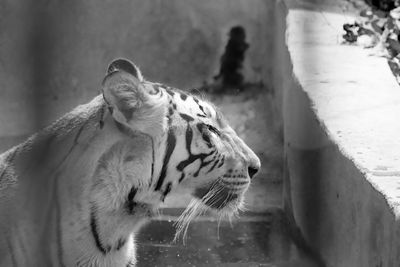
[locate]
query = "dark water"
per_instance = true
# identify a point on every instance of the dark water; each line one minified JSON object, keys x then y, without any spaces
{"x":254,"y":240}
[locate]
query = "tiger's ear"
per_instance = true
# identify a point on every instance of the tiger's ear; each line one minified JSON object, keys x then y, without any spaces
{"x":127,"y":98}
{"x":121,"y":64}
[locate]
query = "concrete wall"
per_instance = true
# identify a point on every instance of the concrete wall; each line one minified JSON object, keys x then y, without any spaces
{"x":332,"y":142}
{"x":53,"y":54}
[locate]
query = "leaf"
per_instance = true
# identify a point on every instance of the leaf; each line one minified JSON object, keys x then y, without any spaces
{"x":393,"y":44}
{"x":376,"y":27}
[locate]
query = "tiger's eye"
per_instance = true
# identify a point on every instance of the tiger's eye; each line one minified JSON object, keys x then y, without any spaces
{"x":214,"y":130}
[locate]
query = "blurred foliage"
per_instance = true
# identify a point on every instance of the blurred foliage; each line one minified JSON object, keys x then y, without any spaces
{"x":378,"y":27}
{"x":385,"y":5}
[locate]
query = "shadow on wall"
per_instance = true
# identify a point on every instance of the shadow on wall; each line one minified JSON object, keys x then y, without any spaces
{"x":230,"y":72}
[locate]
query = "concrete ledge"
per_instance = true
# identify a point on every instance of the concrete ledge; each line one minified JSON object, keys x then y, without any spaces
{"x":341,"y":112}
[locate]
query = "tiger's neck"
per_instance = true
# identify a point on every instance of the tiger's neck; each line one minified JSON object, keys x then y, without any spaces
{"x":55,"y":172}
{"x":105,"y":236}
{"x":111,"y":218}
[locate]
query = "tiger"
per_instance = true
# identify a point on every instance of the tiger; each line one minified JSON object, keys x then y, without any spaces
{"x":77,"y":192}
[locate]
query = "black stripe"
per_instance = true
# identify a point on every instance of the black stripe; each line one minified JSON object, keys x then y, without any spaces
{"x":189,"y":138}
{"x":124,"y":129}
{"x":171,"y":111}
{"x":93,"y":227}
{"x":130,"y":205}
{"x":102,"y":113}
{"x":127,"y":159}
{"x":211,"y":160}
{"x":170,"y":92}
{"x":152,"y":162}
{"x":204,"y":133}
{"x":182,"y":177}
{"x":167,"y":190}
{"x":182,"y":165}
{"x":201,"y":127}
{"x":192,"y":157}
{"x":222,"y":162}
{"x":213,"y":166}
{"x":132,"y":193}
{"x":186,"y":117}
{"x":121,"y":242}
{"x":171,"y":143}
{"x":202,"y":110}
{"x":204,"y":163}
{"x":111,"y":109}
{"x":183,"y":96}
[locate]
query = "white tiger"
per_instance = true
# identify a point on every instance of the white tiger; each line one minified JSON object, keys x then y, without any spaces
{"x":76,"y":193}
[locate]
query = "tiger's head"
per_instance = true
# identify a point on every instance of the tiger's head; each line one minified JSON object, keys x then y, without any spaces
{"x":195,"y":150}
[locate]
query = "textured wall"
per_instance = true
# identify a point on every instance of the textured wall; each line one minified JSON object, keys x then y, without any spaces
{"x":53,"y":54}
{"x":345,"y":215}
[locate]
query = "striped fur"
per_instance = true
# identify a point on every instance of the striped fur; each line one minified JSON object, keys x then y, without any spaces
{"x":76,"y":193}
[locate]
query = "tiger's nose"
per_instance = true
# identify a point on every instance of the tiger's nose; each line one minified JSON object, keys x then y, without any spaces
{"x":252,"y":171}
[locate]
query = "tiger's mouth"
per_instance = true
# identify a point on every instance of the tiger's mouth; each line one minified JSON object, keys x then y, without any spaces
{"x":216,"y":196}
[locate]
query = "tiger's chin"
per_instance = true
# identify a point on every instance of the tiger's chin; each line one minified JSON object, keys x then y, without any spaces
{"x":220,"y":201}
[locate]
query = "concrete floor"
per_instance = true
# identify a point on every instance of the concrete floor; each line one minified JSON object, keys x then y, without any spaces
{"x":260,"y":239}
